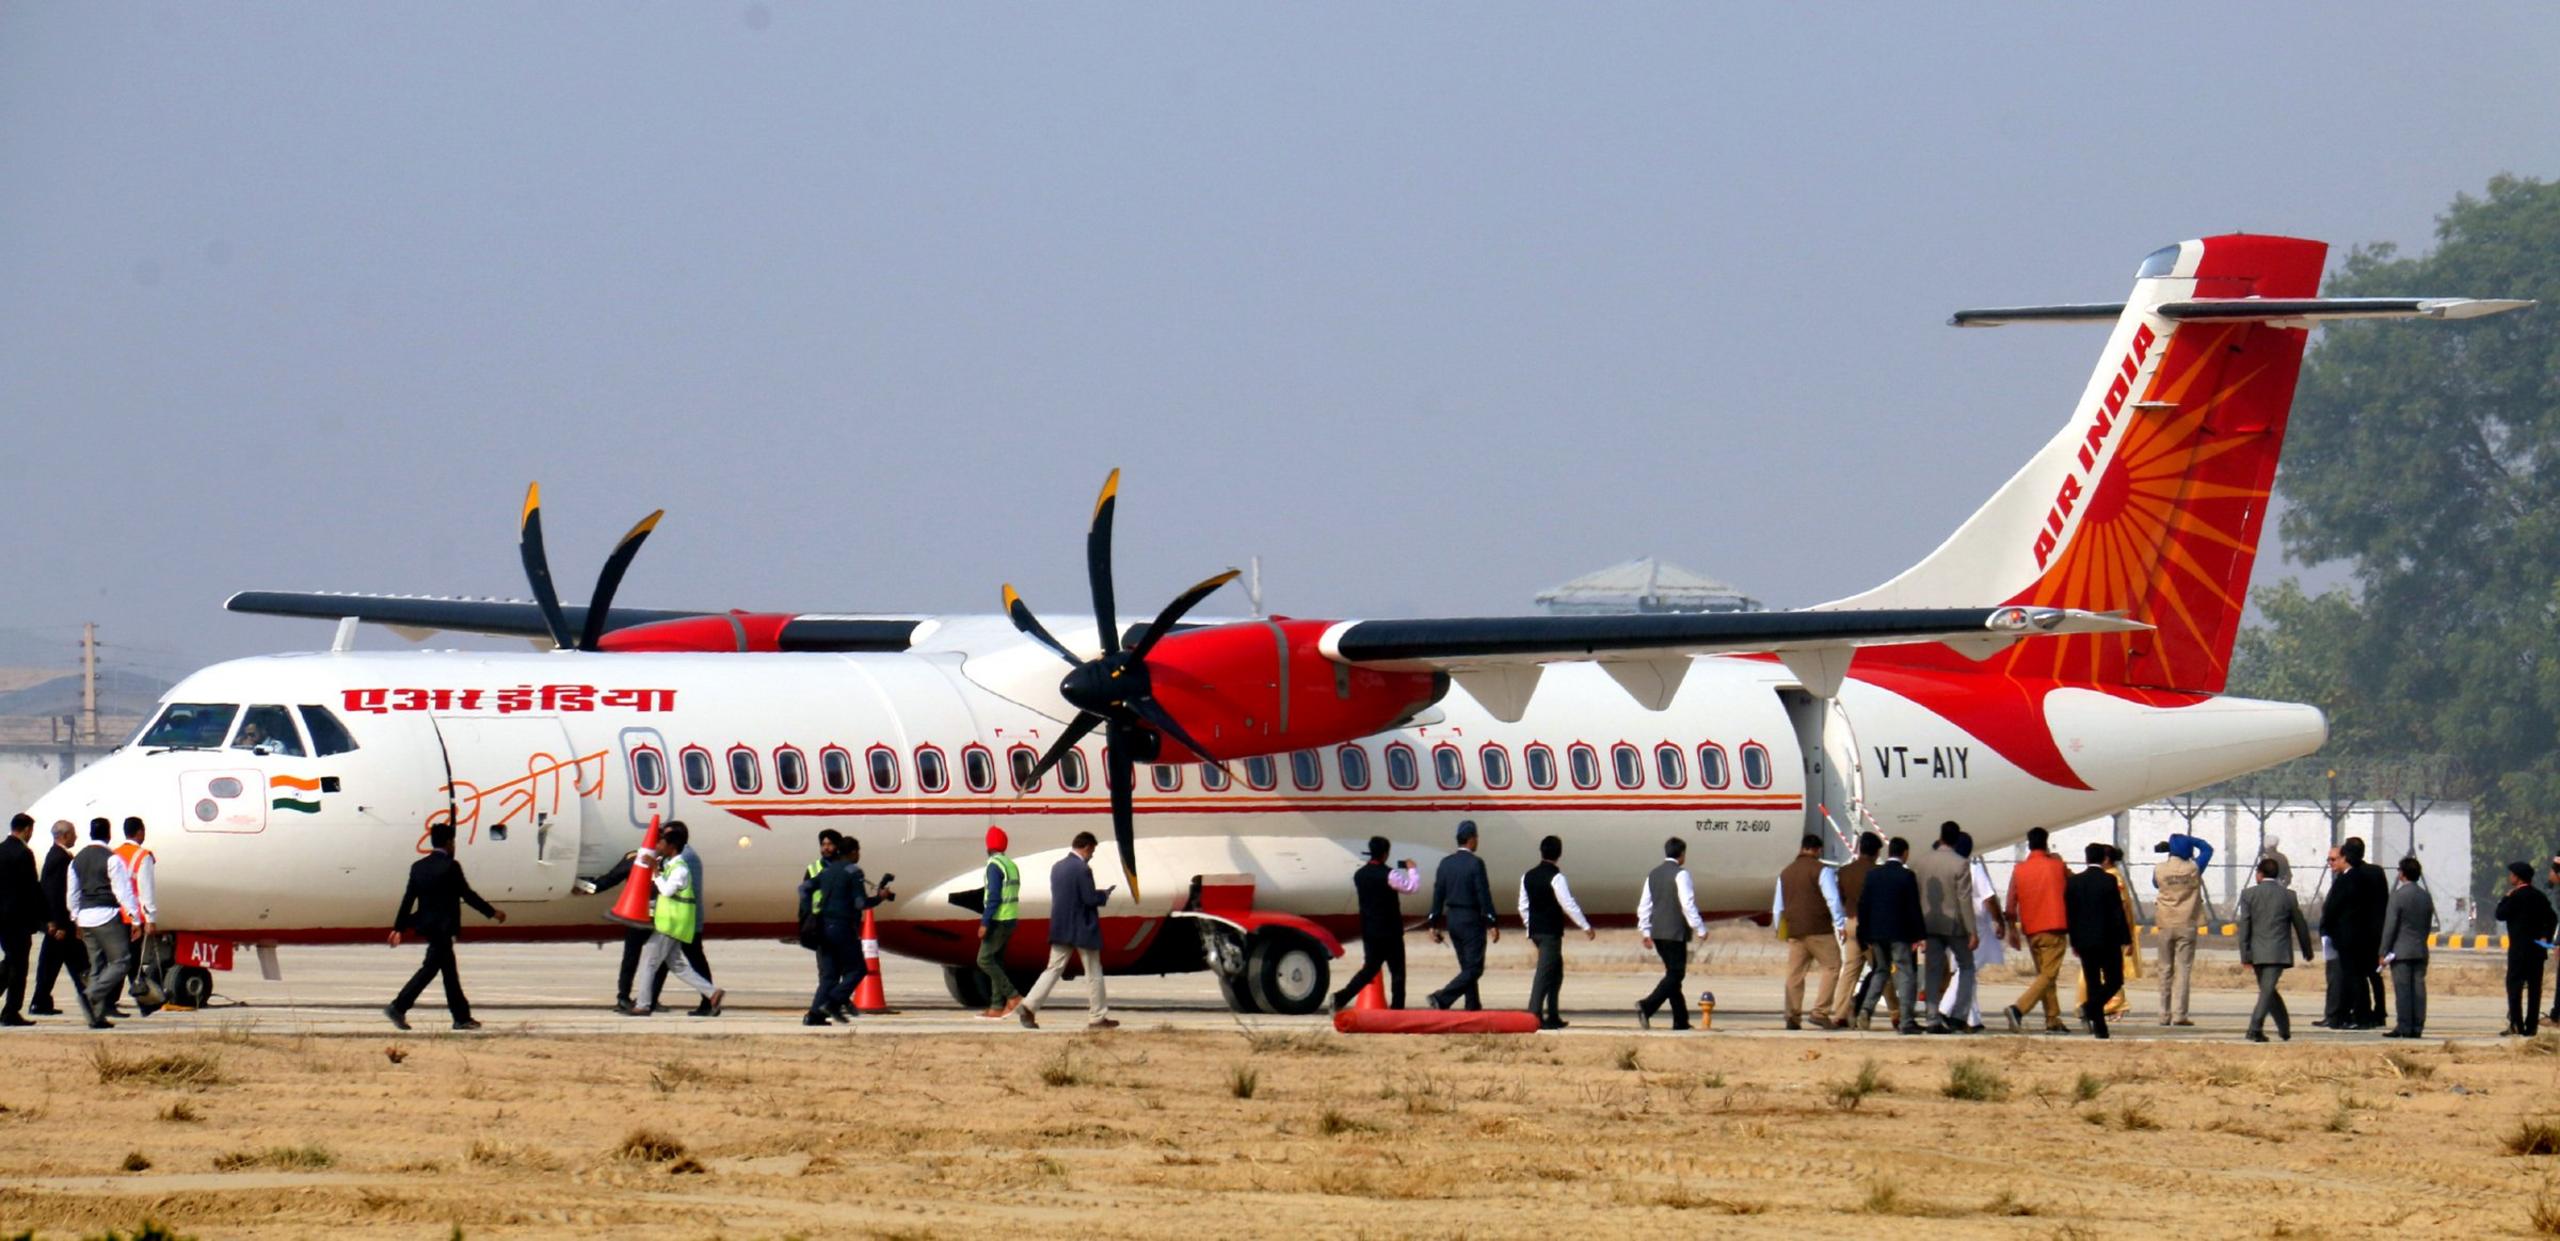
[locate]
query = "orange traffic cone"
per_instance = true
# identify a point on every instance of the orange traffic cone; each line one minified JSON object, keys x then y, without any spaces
{"x":632,"y":907}
{"x":871,"y":996}
{"x":1375,"y":994}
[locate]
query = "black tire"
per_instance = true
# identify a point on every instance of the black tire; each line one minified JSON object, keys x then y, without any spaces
{"x":967,"y":986}
{"x":1288,"y":974}
{"x":1239,"y":994}
{"x":191,"y":986}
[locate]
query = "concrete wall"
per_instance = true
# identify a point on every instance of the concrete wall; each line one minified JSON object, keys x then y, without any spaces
{"x":28,"y":772}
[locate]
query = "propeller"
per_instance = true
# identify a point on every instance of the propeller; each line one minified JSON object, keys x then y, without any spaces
{"x":1112,"y":691}
{"x":537,"y":572}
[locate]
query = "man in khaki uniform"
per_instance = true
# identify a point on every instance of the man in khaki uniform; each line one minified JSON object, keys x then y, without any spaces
{"x":2175,"y":916}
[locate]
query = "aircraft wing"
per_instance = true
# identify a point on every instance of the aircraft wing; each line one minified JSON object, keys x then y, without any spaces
{"x":416,"y":616}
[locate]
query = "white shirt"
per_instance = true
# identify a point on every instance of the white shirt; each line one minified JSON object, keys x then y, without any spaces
{"x":1405,"y":878}
{"x":119,"y":881}
{"x":1830,"y":882}
{"x":145,"y":888}
{"x":1688,"y":904}
{"x":1564,"y":900}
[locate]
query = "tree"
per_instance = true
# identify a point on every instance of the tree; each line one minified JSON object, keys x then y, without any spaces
{"x":2428,"y":460}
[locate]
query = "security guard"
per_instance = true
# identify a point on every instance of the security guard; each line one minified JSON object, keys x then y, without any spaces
{"x":678,"y":921}
{"x":141,"y":871}
{"x":998,"y":910}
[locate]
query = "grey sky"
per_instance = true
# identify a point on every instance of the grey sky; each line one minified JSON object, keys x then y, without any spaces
{"x":1431,"y":306}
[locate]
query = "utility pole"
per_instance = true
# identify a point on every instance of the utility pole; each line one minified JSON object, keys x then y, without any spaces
{"x":89,"y":682}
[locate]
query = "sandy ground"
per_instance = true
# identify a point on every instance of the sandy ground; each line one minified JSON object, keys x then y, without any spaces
{"x":312,"y":1117}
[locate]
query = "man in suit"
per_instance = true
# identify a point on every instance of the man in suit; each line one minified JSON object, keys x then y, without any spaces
{"x":2269,"y":925}
{"x":21,"y":916}
{"x":1546,"y":903}
{"x":1380,"y":888}
{"x":1947,"y":902}
{"x":432,"y":908}
{"x":2406,"y":926}
{"x":2093,"y":905}
{"x":1666,"y":918}
{"x":1075,"y":928}
{"x":2529,"y":922}
{"x":1462,"y":902}
{"x":1857,"y":969}
{"x":1892,"y":925}
{"x":62,"y":949}
{"x":2366,"y":896}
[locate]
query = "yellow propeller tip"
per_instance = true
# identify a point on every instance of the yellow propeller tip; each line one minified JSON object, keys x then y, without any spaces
{"x":532,"y":501}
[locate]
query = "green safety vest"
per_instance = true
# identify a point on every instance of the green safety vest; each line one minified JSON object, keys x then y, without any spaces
{"x":817,"y":895}
{"x":1008,"y":899}
{"x":679,"y":913}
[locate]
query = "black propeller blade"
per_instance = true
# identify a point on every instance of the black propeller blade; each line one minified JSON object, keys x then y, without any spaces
{"x":1113,"y":691}
{"x":537,"y":573}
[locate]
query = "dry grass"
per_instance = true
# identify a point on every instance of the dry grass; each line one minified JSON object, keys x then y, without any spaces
{"x":136,"y":1161}
{"x":1630,"y":1058}
{"x":1294,"y":1043}
{"x":177,"y":1070}
{"x":1062,"y":1070}
{"x":1244,"y":1081}
{"x":2533,"y":1137}
{"x":1975,"y":1081}
{"x":305,"y":1158}
{"x":2407,"y":1067}
{"x":2087,"y":1087}
{"x":648,"y":1146}
{"x":181,"y":1112}
{"x":1848,"y":1093}
{"x":2542,"y":1215}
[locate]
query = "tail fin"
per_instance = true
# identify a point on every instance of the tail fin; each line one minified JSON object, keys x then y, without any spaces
{"x":2151,"y":501}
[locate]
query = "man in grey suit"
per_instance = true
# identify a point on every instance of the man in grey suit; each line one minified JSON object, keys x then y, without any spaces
{"x":2410,"y":919}
{"x":1075,"y":928}
{"x":2270,"y":925}
{"x":1462,"y":902}
{"x":1947,"y":901}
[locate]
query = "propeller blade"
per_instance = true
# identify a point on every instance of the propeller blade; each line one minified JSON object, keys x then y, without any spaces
{"x":1030,"y":625}
{"x":1077,"y":729}
{"x":610,"y":580}
{"x":537,"y":568}
{"x":1154,"y":714}
{"x":1121,"y":778}
{"x":1097,"y":564}
{"x":1174,"y":611}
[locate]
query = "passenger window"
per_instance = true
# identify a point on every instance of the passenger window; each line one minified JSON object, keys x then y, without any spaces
{"x":883,"y":762}
{"x":697,"y":770}
{"x":190,"y":726}
{"x":1404,"y":772}
{"x":1629,"y":765}
{"x":790,"y":770}
{"x":835,"y":766}
{"x":746,"y":771}
{"x":1449,"y":767}
{"x":648,"y":771}
{"x":1670,"y":767}
{"x":1541,"y":763}
{"x":1262,"y":773}
{"x":1306,"y":770}
{"x":266,"y":729}
{"x":1755,"y":765}
{"x":1072,"y":775}
{"x":978,"y":767}
{"x":933,"y":773}
{"x":1586,"y":765}
{"x":1354,"y":763}
{"x":1022,"y":760}
{"x":1214,"y":777}
{"x":1712,"y":772}
{"x":1168,"y":776}
{"x":328,"y":736}
{"x":1496,"y":764}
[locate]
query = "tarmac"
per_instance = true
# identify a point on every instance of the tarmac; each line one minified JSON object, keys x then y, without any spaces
{"x":557,"y":989}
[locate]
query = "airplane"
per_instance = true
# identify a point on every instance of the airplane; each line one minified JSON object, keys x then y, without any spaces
{"x":2059,"y":657}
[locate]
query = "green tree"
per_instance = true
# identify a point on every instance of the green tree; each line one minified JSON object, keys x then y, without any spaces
{"x":2428,"y":459}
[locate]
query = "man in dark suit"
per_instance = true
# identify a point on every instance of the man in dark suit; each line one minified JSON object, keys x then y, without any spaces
{"x":21,"y":916}
{"x":2528,"y":919}
{"x":1462,"y":902}
{"x":2093,"y":909}
{"x":62,"y":950}
{"x":1381,"y":924}
{"x":2407,"y":926}
{"x":1892,"y":926}
{"x":432,"y":908}
{"x":2269,"y":926}
{"x":2366,"y":894}
{"x":1075,"y":927}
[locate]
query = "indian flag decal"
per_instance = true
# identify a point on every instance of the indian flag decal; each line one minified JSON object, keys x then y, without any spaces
{"x":295,"y":793}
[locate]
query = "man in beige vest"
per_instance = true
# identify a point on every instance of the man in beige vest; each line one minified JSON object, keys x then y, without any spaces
{"x":2175,"y":916}
{"x":1805,"y":908}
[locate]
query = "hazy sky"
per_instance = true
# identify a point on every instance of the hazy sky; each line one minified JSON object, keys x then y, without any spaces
{"x":1431,"y":306}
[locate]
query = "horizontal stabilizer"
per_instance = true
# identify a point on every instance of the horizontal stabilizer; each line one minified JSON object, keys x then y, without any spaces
{"x":1481,"y":642}
{"x":2289,"y":311}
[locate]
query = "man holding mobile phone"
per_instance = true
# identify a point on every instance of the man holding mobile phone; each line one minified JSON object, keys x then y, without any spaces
{"x":1075,"y":928}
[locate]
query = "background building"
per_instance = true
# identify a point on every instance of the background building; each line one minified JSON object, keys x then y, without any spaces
{"x":1643,"y":585}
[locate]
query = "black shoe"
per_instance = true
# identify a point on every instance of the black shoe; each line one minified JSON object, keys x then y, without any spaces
{"x":13,"y":1019}
{"x":399,"y":1020}
{"x":702,"y":1009}
{"x":813,"y":1018}
{"x":2256,"y":1038}
{"x":1908,"y":1028}
{"x":623,"y":1006}
{"x":841,"y":1012}
{"x":1794,"y":1023}
{"x":1439,"y":1001}
{"x":1973,"y":1029}
{"x":2098,"y":1030}
{"x":1940,"y":1027}
{"x":2017,"y":1020}
{"x":1550,"y":1025}
{"x":466,"y":1023}
{"x":1644,"y":1016}
{"x":45,"y":1011}
{"x":842,"y":1016}
{"x":117,"y":1010}
{"x":1557,"y":1023}
{"x":101,"y":1023}
{"x":2286,"y":1035}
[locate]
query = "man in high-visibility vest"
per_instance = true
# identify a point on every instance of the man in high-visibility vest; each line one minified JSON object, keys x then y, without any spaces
{"x":142,"y":874}
{"x":678,"y":921}
{"x":998,"y":910}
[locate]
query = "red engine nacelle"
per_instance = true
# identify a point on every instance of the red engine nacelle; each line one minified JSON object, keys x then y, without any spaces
{"x":1261,"y":687}
{"x":728,"y":631}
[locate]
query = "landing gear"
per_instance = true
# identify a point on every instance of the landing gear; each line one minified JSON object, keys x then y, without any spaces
{"x":189,"y":986}
{"x":1287,"y":973}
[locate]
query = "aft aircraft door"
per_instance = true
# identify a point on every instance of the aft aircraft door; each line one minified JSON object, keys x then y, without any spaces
{"x":518,"y":795}
{"x":1832,"y":778}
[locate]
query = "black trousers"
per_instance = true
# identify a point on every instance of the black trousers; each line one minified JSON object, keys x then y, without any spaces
{"x":1376,"y":953}
{"x":2362,"y":982}
{"x":1466,"y":936}
{"x":2524,"y":988}
{"x":2103,"y":974}
{"x":54,"y":958}
{"x":1675,"y":976}
{"x":2409,"y":980}
{"x":841,"y":966}
{"x":1546,"y":983}
{"x":439,"y":961}
{"x":13,"y":973}
{"x":2270,"y":1003}
{"x":2333,"y":1009}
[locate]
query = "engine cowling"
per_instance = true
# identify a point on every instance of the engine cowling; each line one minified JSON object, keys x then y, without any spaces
{"x":729,"y":631}
{"x":1249,"y":688}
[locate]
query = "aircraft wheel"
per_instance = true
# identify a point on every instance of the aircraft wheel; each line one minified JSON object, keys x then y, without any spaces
{"x":191,"y":986}
{"x":1239,"y":994}
{"x":967,"y":986}
{"x":1288,"y":974}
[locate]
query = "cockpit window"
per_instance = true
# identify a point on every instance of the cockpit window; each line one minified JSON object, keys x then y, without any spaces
{"x":267,"y":729}
{"x":190,"y":726}
{"x":328,"y":736}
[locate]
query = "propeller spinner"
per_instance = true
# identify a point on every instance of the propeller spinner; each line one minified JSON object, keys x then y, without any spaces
{"x":1112,"y":691}
{"x":537,"y":573}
